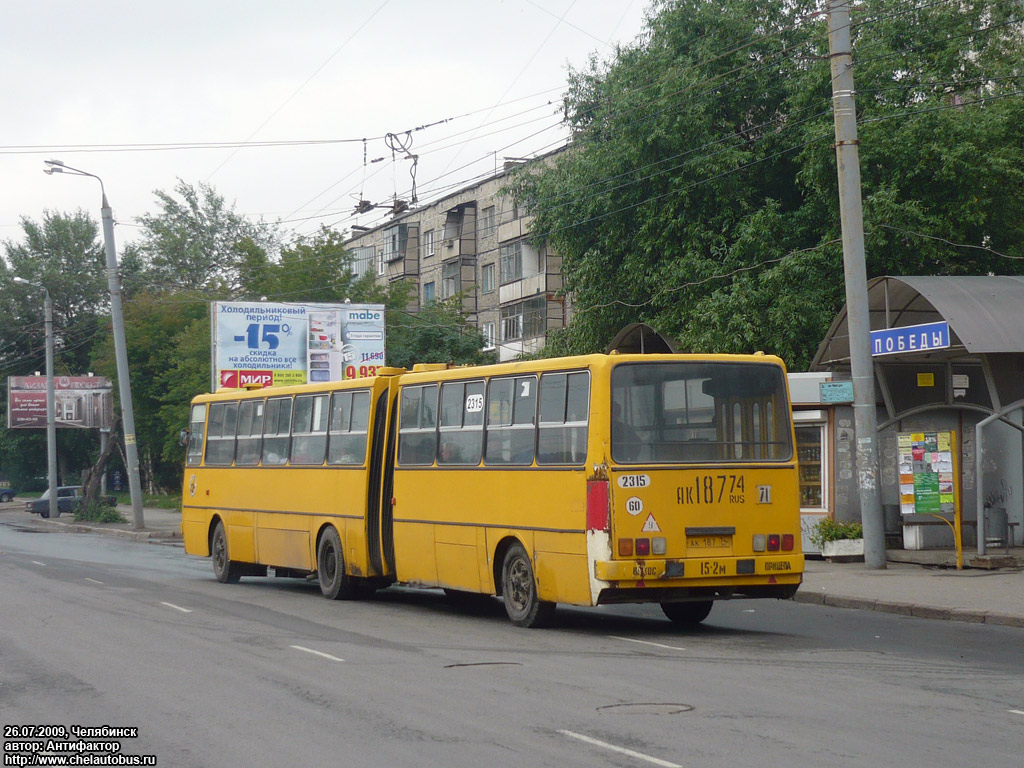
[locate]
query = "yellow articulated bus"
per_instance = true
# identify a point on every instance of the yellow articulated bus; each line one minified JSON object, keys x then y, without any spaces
{"x":582,"y":480}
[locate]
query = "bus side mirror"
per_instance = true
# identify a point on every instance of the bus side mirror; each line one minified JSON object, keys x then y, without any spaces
{"x":183,"y":437}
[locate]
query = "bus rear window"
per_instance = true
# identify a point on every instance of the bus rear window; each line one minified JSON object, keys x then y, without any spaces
{"x":699,"y":412}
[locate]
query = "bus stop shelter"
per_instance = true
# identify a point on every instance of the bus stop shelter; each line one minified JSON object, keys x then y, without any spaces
{"x":972,"y":384}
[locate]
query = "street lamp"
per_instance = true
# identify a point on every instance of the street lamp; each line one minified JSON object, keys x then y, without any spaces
{"x":51,"y":406}
{"x":131,"y":450}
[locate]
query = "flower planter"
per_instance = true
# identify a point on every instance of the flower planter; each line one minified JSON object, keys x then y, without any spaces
{"x":843,"y":550}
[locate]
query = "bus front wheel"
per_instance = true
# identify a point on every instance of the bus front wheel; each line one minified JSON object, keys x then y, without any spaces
{"x":226,"y":571}
{"x":519,"y":590}
{"x":330,"y":568}
{"x":687,"y":614}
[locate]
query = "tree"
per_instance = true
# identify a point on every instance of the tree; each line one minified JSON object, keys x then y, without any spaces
{"x":314,"y":269}
{"x":194,"y":243}
{"x":436,"y":334}
{"x":168,"y":340}
{"x":699,"y":191}
{"x":62,"y":253}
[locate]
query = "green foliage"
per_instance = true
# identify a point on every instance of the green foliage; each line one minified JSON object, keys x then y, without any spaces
{"x":699,"y":193}
{"x":197,"y":242}
{"x":828,"y":529}
{"x":97,"y":512}
{"x":438,"y":333}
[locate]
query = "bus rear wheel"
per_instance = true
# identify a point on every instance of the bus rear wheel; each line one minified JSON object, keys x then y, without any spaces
{"x":335,"y":584}
{"x":687,"y":614}
{"x":519,"y":590}
{"x":226,"y":571}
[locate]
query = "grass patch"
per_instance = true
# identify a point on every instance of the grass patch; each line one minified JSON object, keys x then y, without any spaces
{"x":154,"y":500}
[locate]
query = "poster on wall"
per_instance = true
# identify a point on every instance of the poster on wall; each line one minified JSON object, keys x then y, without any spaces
{"x":268,"y":344}
{"x":926,"y":469}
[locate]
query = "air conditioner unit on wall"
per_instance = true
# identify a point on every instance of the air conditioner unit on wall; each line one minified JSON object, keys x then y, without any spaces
{"x":449,"y":243}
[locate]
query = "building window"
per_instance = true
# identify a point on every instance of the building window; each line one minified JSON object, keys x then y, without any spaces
{"x":510,"y":262}
{"x":450,"y":279}
{"x":487,"y":221}
{"x":524,"y":320}
{"x":395,"y":240}
{"x":428,"y":293}
{"x":487,"y":329}
{"x":487,"y":278}
{"x":362,"y":260}
{"x":428,"y":242}
{"x":380,"y":262}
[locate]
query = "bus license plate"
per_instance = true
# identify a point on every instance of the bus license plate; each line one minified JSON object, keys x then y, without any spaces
{"x":709,"y":542}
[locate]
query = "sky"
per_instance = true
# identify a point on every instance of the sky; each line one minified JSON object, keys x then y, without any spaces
{"x":471,"y":81}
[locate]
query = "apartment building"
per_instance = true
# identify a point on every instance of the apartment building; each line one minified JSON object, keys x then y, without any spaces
{"x":472,"y":243}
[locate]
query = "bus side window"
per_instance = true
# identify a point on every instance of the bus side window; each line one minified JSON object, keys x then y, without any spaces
{"x":462,"y":420}
{"x":511,"y":419}
{"x":564,"y":413}
{"x":196,"y":435}
{"x":309,"y":430}
{"x":350,"y":418}
{"x":220,"y":437}
{"x":276,"y":427}
{"x":417,"y":435}
{"x":250,"y":433}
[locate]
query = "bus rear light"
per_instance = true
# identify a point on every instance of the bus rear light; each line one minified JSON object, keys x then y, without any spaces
{"x":643,"y":547}
{"x":774,"y":541}
{"x":787,"y":542}
{"x":759,"y":542}
{"x":597,"y":505}
{"x":625,"y":547}
{"x":658,"y":545}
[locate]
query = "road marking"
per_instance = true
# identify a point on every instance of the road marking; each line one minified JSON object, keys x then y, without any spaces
{"x":1016,"y":711}
{"x":93,"y":580}
{"x":621,"y":750}
{"x":647,"y":642}
{"x":316,"y":653}
{"x":177,"y":607}
{"x":38,"y":563}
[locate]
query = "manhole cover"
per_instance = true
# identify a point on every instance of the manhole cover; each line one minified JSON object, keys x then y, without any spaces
{"x":646,"y":709}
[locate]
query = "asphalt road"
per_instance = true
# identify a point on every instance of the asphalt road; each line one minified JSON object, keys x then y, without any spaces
{"x":97,"y":631}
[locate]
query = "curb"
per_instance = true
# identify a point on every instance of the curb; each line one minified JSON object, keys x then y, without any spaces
{"x":910,"y":609}
{"x":155,"y":537}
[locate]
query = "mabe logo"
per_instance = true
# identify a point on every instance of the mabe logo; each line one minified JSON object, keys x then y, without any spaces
{"x":364,"y":314}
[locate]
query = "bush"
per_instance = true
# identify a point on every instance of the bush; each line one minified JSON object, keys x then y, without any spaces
{"x":98,"y":513}
{"x":828,"y":529}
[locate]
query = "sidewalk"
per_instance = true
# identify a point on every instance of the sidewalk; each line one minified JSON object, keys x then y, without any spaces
{"x":910,"y":589}
{"x":929,"y":592}
{"x":160,"y":525}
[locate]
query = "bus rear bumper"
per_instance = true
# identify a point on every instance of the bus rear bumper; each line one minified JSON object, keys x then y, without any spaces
{"x":738,"y":572}
{"x":666,"y":594}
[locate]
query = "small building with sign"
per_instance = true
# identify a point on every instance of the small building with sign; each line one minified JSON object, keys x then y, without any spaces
{"x":949,"y":390}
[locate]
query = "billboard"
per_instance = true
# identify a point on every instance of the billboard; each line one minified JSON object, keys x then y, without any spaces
{"x":81,"y":402}
{"x":280,"y":344}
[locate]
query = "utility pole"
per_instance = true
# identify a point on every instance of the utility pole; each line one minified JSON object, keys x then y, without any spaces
{"x":858,"y":322}
{"x":131,"y":450}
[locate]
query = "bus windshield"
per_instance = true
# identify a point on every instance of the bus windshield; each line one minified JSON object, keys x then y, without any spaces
{"x":691,"y":412}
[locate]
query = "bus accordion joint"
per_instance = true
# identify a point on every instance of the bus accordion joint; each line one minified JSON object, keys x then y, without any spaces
{"x":598,"y":517}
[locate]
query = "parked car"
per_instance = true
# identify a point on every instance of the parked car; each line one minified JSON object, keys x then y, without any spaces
{"x":69,"y":497}
{"x":6,"y":494}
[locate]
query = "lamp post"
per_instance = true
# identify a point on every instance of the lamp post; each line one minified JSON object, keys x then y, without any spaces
{"x":51,"y":405}
{"x":131,"y":450}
